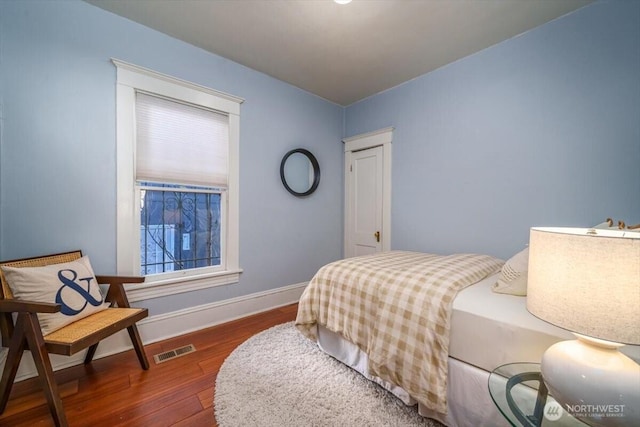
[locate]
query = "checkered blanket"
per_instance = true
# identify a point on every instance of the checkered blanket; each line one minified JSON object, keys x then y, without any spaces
{"x":396,"y":307}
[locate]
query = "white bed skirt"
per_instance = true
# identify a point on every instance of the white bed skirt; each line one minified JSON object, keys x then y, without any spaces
{"x":468,"y":398}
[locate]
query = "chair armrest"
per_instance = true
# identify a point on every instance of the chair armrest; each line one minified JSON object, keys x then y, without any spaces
{"x":15,"y":306}
{"x":116,"y":293}
{"x":118,"y":280}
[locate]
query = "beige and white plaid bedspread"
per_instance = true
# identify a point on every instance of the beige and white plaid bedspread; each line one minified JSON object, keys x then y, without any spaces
{"x":396,"y":307}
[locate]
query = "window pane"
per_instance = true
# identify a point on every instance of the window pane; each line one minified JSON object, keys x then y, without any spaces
{"x":179,"y":230}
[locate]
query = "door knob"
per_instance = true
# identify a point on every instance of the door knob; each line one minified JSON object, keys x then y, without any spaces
{"x":377,"y":236}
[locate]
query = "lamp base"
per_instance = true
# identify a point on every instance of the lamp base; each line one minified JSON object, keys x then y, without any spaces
{"x":593,"y":381}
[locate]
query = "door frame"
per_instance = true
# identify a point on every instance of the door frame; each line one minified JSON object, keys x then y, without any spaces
{"x":383,"y":138}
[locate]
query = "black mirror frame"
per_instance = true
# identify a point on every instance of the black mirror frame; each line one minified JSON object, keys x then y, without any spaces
{"x":316,"y":172}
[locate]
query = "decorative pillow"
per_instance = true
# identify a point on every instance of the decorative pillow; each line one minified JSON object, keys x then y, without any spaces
{"x":71,"y":284}
{"x":513,"y":276}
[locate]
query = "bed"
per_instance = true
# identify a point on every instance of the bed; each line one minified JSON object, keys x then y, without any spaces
{"x":484,"y":329}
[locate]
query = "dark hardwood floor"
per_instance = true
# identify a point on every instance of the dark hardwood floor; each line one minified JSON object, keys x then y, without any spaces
{"x":115,"y":391}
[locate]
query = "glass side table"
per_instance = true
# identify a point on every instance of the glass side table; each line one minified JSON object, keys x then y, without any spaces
{"x":519,"y":393}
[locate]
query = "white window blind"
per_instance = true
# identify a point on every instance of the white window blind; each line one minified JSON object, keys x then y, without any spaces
{"x":180,"y":143}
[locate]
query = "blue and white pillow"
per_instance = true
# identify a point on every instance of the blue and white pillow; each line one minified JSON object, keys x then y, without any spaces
{"x":71,"y":284}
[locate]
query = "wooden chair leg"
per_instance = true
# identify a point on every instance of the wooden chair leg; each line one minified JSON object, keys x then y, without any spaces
{"x":41,"y":359}
{"x":117,"y":295}
{"x":137,"y":346}
{"x":90,"y":353}
{"x":16,"y":349}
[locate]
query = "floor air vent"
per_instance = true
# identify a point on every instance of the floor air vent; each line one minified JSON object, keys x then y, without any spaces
{"x":172,"y":354}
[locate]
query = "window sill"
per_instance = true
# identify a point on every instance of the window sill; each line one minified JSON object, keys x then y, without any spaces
{"x":176,"y":285}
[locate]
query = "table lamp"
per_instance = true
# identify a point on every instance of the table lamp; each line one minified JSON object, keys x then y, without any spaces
{"x":588,"y":282}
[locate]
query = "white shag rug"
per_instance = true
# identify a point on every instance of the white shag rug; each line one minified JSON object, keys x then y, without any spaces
{"x":280,"y":378}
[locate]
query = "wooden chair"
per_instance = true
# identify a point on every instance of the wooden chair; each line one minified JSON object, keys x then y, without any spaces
{"x":25,"y":333}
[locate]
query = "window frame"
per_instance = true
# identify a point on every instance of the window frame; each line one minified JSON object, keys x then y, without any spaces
{"x":130,"y":79}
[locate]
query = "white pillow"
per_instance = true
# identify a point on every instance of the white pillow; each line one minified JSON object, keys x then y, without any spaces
{"x":71,"y":284}
{"x":605,"y":226}
{"x":513,"y":276}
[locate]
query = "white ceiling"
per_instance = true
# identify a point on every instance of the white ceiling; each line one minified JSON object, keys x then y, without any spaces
{"x":343,"y":53}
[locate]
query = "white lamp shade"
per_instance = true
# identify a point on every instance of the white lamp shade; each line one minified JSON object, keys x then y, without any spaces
{"x":586,"y":283}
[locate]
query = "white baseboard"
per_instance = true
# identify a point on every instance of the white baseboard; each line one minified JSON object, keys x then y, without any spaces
{"x":161,"y":327}
{"x":169,"y":325}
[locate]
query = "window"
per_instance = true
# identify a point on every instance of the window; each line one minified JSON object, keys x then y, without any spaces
{"x":177,"y":164}
{"x":181,"y":171}
{"x":179,"y":228}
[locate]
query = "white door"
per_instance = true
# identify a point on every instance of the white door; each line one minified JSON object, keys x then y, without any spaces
{"x":367,"y":193}
{"x":365,"y":204}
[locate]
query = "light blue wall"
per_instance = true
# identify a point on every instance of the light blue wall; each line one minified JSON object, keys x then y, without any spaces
{"x":58,"y":146}
{"x":542,"y":129}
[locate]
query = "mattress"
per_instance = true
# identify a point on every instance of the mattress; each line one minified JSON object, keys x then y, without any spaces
{"x":490,"y":329}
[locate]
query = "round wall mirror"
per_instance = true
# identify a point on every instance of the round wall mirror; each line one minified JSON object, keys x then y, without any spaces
{"x":300,"y":172}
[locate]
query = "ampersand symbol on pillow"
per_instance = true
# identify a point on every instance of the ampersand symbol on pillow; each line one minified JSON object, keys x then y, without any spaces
{"x":71,"y":283}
